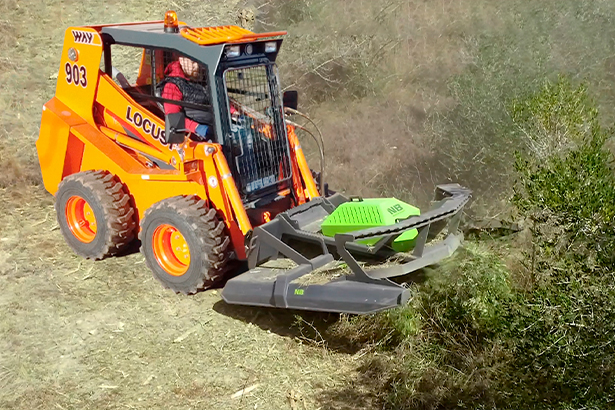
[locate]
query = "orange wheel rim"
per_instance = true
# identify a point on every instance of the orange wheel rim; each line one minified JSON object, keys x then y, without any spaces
{"x":80,"y":218}
{"x":171,"y":250}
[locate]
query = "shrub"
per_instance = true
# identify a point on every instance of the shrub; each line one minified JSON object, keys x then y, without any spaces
{"x":467,"y":294}
{"x":444,"y":340}
{"x":561,"y":333}
{"x":454,"y":359}
{"x":569,"y":195}
{"x":469,"y":339}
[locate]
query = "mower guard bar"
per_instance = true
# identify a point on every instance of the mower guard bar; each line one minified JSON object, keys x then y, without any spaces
{"x":360,"y":292}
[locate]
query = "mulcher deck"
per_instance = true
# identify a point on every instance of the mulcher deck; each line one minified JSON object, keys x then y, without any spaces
{"x":267,"y":287}
{"x":359,"y":292}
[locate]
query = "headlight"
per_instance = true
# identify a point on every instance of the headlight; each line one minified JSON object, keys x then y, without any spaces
{"x":271,"y":47}
{"x":233,"y":51}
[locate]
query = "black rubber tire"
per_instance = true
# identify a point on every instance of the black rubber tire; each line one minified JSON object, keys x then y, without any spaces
{"x":204,"y":233}
{"x":112,"y":209}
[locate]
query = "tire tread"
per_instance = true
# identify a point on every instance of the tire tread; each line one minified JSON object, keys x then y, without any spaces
{"x":213,"y":240}
{"x":118,"y":211}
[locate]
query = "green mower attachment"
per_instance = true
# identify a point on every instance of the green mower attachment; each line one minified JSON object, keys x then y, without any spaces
{"x":348,"y":230}
{"x":359,"y":213}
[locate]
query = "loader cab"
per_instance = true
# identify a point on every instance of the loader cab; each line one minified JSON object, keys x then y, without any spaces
{"x":141,"y":72}
{"x":245,"y":100}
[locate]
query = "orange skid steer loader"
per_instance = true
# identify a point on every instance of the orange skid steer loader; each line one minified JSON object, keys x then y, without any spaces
{"x":126,"y":162}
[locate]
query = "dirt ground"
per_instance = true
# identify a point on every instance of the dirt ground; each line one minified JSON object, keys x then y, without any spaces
{"x":77,"y":334}
{"x":106,"y":335}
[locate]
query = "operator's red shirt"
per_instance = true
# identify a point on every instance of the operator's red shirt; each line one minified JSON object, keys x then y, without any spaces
{"x":172,"y":92}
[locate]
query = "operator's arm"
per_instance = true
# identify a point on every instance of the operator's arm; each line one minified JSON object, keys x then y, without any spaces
{"x":172,"y":92}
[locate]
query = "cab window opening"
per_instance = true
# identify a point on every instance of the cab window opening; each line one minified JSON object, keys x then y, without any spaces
{"x":139,"y":72}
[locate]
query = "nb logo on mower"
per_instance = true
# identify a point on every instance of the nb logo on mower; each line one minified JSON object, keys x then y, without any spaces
{"x":395,"y":209}
{"x":83,"y":37}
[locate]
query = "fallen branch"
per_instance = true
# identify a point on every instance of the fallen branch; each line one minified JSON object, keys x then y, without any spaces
{"x":244,"y":391}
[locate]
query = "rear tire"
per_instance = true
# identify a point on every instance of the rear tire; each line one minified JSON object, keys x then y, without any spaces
{"x":95,"y":214}
{"x":184,"y":244}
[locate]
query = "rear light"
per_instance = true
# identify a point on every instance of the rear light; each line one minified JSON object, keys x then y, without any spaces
{"x":171,"y":24}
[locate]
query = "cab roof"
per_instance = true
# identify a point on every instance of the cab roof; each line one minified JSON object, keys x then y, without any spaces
{"x":224,"y":34}
{"x":153,"y":34}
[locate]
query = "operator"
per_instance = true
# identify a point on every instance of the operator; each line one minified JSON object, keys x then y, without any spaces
{"x":180,"y":84}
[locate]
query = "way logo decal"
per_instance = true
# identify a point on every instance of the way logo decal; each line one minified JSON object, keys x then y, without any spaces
{"x":84,"y":37}
{"x":147,"y":125}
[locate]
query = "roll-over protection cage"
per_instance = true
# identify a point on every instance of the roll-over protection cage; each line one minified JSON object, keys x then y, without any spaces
{"x":272,"y":169}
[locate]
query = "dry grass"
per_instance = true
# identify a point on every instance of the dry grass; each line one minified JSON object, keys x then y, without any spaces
{"x":82,"y":334}
{"x":77,"y":334}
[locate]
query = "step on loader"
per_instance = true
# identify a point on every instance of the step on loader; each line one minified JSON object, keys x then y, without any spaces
{"x":215,"y":178}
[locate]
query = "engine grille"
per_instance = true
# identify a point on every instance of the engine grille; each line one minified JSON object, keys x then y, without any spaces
{"x":258,"y":144}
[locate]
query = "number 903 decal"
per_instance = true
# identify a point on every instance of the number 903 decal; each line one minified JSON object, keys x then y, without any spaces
{"x":76,"y":74}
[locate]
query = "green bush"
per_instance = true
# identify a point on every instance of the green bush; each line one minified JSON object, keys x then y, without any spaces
{"x":562,"y":332}
{"x":470,"y":338}
{"x":386,"y":330}
{"x":445,"y":340}
{"x":453,"y":359}
{"x":557,"y":118}
{"x":467,"y":294}
{"x":569,"y":195}
{"x":560,"y":339}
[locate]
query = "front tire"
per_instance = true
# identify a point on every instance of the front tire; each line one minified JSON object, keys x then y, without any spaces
{"x":184,"y":244}
{"x":95,"y":214}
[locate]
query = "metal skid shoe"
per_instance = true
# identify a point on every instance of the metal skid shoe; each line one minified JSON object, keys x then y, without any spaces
{"x":359,"y":292}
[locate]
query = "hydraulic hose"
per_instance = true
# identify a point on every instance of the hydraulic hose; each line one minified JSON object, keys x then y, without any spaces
{"x":320,"y":145}
{"x":322,"y":156}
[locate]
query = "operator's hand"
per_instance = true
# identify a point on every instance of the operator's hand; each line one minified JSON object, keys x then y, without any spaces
{"x":234,"y":114}
{"x":202,"y":130}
